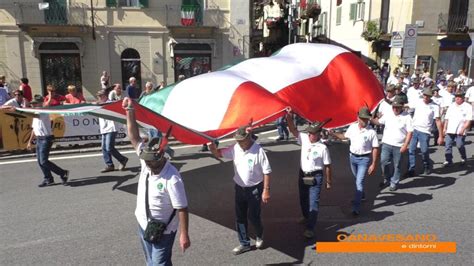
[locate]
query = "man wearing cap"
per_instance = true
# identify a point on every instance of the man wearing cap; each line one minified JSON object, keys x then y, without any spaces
{"x":457,"y":122}
{"x":160,"y":195}
{"x":414,"y":95}
{"x":315,"y":164}
{"x":438,"y":100}
{"x":363,"y":152}
{"x":41,"y":130}
{"x":252,"y":184}
{"x":396,"y":138}
{"x":109,"y":133}
{"x":426,"y":112}
{"x":400,"y":93}
{"x":385,"y":105}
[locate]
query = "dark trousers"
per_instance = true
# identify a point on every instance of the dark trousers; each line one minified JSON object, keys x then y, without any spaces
{"x":43,"y":147}
{"x":247,"y":205}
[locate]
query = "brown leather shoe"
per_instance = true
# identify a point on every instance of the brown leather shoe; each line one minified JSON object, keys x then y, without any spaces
{"x":108,"y":168}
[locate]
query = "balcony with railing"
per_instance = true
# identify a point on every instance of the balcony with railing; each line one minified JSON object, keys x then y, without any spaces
{"x":193,"y":16}
{"x":449,"y":23}
{"x":74,"y":14}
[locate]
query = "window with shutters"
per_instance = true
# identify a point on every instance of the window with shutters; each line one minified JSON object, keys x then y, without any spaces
{"x":357,"y":11}
{"x":338,"y":15}
{"x":125,"y":3}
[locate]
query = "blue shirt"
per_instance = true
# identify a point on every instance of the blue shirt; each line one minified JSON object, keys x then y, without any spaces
{"x":3,"y":95}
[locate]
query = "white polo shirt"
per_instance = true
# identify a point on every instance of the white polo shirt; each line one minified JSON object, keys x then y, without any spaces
{"x":165,"y":193}
{"x":470,"y":95}
{"x":424,"y":116}
{"x":362,"y":140}
{"x":249,"y":165}
{"x":413,"y":96}
{"x":448,"y":98}
{"x":437,"y":100}
{"x":314,"y":156}
{"x":457,"y":115}
{"x":42,"y":125}
{"x":385,"y":107}
{"x":106,"y":126}
{"x":396,"y":128}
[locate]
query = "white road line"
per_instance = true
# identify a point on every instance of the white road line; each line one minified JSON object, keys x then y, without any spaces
{"x":123,"y":152}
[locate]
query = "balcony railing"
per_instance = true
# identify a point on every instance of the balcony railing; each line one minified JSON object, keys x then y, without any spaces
{"x":55,"y":14}
{"x":454,"y":23}
{"x":193,"y":15}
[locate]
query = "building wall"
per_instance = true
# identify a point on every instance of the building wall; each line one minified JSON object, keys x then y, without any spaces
{"x":118,"y":28}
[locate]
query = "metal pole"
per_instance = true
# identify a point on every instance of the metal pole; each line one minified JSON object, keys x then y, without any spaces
{"x":289,"y":22}
{"x":92,"y":20}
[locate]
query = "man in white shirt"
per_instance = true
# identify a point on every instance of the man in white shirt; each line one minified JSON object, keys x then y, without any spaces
{"x":470,"y":99}
{"x":161,"y":191}
{"x":109,"y":133}
{"x":385,"y":105}
{"x":396,"y":138}
{"x":457,"y":122}
{"x":393,"y":79}
{"x":18,"y":100}
{"x":252,"y":184}
{"x":41,"y":130}
{"x":363,"y":153}
{"x":414,"y":95}
{"x":426,"y":113}
{"x":315,"y":164}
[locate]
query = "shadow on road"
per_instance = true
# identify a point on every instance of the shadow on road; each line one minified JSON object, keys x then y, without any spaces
{"x":210,"y":192}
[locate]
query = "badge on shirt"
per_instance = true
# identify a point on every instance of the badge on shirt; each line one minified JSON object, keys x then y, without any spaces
{"x":160,"y":187}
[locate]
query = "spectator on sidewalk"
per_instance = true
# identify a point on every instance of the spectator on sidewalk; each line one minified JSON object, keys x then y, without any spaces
{"x":116,"y":94}
{"x":364,"y":150}
{"x":73,"y":96}
{"x":160,"y":195}
{"x":252,"y":184}
{"x":283,"y":133}
{"x":132,"y":91}
{"x":26,"y":89}
{"x":41,"y":130}
{"x":53,"y":98}
{"x":315,"y":164}
{"x":18,"y":100}
{"x":109,"y":133}
{"x":104,"y":80}
{"x":4,"y":94}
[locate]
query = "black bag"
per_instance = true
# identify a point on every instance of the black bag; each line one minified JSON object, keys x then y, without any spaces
{"x":155,"y":228}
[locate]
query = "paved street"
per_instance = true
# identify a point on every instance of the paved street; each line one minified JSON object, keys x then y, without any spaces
{"x":92,"y":222}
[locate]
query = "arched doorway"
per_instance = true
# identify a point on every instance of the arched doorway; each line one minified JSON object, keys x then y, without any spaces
{"x":131,"y":67}
{"x":60,"y":65}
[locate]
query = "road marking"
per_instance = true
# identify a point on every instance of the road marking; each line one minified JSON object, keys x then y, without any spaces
{"x":123,"y":152}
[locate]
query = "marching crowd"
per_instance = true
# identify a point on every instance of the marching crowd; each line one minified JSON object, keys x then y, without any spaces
{"x":415,"y":108}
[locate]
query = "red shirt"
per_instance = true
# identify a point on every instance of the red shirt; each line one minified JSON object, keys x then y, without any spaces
{"x":26,"y":91}
{"x":56,"y":100}
{"x":74,"y":99}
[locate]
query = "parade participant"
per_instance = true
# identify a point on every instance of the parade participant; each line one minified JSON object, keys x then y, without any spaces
{"x":252,"y":184}
{"x":73,"y":97}
{"x":426,"y":112}
{"x":401,"y":94}
{"x":363,"y":153}
{"x":160,"y":197}
{"x":396,"y":138}
{"x":457,"y":122}
{"x":41,"y":126}
{"x":109,"y":133}
{"x":414,"y":94}
{"x":385,"y":105}
{"x":116,"y":93}
{"x":53,"y":98}
{"x":314,"y":165}
{"x":438,"y":100}
{"x":18,"y":100}
{"x":26,"y":89}
{"x":393,"y":79}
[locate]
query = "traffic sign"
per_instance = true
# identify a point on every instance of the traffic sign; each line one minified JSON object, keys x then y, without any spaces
{"x":397,"y":39}
{"x":409,"y":44}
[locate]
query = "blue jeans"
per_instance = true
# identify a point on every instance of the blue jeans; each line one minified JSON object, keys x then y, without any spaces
{"x":282,"y":128}
{"x":309,"y":199}
{"x":359,"y":166}
{"x":424,"y":139}
{"x":460,"y":142}
{"x":160,"y":253}
{"x":247,"y":203}
{"x":109,"y":150}
{"x":43,"y":147}
{"x":391,"y":153}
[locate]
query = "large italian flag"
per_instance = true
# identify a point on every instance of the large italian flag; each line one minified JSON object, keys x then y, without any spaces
{"x":317,"y":81}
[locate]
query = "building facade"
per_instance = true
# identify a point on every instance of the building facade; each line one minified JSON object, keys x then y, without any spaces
{"x":64,"y":42}
{"x":366,"y":27}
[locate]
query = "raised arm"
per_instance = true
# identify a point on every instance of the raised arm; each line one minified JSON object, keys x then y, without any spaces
{"x":216,"y":152}
{"x":291,"y":124}
{"x":132,"y":126}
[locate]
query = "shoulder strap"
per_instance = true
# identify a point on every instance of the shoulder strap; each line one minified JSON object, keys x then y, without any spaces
{"x":147,"y":205}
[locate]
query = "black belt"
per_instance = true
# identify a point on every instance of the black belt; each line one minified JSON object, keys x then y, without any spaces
{"x":361,"y":155}
{"x":313,"y":173}
{"x":44,"y":137}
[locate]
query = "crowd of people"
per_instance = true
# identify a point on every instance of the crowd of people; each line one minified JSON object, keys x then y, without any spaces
{"x":415,"y":108}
